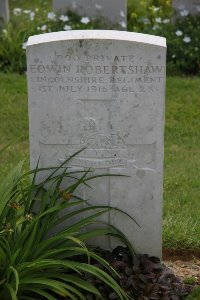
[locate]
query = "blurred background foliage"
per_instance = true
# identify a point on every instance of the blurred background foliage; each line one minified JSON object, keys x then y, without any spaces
{"x":154,"y":17}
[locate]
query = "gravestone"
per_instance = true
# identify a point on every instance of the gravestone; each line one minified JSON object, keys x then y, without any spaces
{"x":113,"y":11}
{"x":184,"y":6}
{"x":4,"y":11}
{"x":103,"y":91}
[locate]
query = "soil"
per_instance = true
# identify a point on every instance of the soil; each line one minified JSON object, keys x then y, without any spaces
{"x":183,"y":263}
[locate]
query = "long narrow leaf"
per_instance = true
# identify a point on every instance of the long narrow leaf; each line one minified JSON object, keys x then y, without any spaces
{"x":16,"y":279}
{"x":11,"y":291}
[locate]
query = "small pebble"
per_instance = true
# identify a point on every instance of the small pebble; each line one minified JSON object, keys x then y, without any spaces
{"x":113,"y":296}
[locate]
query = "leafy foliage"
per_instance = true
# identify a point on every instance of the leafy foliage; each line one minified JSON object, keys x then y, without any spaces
{"x":184,"y":50}
{"x":25,"y":23}
{"x":152,"y":17}
{"x":190,"y":280}
{"x":37,"y":261}
{"x":195,"y":294}
{"x":182,"y":33}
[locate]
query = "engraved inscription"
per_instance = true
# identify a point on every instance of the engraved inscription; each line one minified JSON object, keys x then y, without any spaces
{"x":95,"y":74}
{"x":98,"y":163}
{"x":104,"y":145}
{"x":102,"y":150}
{"x":91,"y":138}
{"x":141,"y":156}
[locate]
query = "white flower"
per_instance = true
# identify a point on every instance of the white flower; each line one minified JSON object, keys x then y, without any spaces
{"x":24,"y":45}
{"x":51,"y":16}
{"x":155,"y":27}
{"x":32,"y":15}
{"x":85,"y":20}
{"x":5,"y":31}
{"x":158,"y":20}
{"x":43,"y":27}
{"x":38,"y":28}
{"x":184,"y":13}
{"x":174,"y":55}
{"x":99,"y":7}
{"x":178,"y":33}
{"x":123,"y":24}
{"x":26,"y":11}
{"x":122,"y":14}
{"x":156,"y":8}
{"x":64,"y":18}
{"x":165,"y":21}
{"x":187,"y":39}
{"x":67,"y":27}
{"x":17,"y":11}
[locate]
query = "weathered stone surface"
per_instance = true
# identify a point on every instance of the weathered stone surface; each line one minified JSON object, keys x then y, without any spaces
{"x":4,"y":11}
{"x":113,"y":11}
{"x":186,"y":6}
{"x":103,"y":90}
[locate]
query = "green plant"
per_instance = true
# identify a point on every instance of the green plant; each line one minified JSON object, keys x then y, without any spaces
{"x":184,"y":47}
{"x":28,"y":22}
{"x":146,"y":16}
{"x":195,"y":294}
{"x":34,"y":261}
{"x":190,"y":280}
{"x":182,"y":34}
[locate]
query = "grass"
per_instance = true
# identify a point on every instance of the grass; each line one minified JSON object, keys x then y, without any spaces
{"x":181,"y":226}
{"x":14,"y":121}
{"x":45,"y":4}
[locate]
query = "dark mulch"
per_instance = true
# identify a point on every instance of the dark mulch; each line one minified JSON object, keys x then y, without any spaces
{"x":143,"y":278}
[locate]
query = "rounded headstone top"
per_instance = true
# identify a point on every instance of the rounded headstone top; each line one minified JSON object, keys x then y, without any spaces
{"x":97,"y":35}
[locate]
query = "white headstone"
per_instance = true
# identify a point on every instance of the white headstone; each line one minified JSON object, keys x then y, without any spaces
{"x":113,"y":11}
{"x":183,"y":7}
{"x":4,"y":11}
{"x":103,"y":90}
